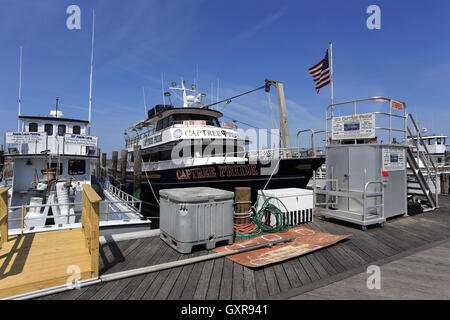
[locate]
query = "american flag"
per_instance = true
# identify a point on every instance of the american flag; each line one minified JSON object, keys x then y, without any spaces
{"x":321,"y":73}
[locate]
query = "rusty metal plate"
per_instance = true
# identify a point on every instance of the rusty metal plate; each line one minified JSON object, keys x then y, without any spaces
{"x":306,"y":241}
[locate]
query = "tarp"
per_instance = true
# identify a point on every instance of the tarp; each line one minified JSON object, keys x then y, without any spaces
{"x":306,"y":241}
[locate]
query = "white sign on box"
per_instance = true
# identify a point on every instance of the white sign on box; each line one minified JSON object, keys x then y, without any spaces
{"x":25,"y":137}
{"x":89,"y":141}
{"x":393,"y":159}
{"x":360,"y":126}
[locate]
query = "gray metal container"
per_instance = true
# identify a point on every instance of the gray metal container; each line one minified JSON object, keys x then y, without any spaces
{"x":195,"y":216}
{"x":354,"y":165}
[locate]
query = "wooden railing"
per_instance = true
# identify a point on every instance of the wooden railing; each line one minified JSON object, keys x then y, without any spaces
{"x":90,"y":225}
{"x":4,"y":215}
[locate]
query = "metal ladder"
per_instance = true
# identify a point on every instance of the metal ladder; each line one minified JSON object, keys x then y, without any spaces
{"x":418,"y":185}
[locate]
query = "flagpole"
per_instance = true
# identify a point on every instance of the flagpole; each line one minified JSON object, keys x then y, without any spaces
{"x":330,"y":58}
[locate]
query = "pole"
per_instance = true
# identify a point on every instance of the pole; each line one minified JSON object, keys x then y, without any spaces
{"x":20,"y":87}
{"x":145,"y":103}
{"x":330,"y":58}
{"x":92,"y":64}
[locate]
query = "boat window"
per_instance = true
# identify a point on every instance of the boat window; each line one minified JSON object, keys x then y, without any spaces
{"x":33,"y":127}
{"x":54,"y":165}
{"x":77,"y":167}
{"x":76,"y":130}
{"x":439,"y":160}
{"x":159,"y":125}
{"x":61,"y":130}
{"x":49,"y":129}
{"x":210,"y":121}
{"x":431,"y":141}
{"x":165,"y":122}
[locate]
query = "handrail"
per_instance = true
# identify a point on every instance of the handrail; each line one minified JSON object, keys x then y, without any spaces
{"x":90,"y":225}
{"x":4,"y":215}
{"x":313,"y":139}
{"x":420,"y":138}
{"x":365,"y":197}
{"x":378,"y":99}
{"x":425,"y":157}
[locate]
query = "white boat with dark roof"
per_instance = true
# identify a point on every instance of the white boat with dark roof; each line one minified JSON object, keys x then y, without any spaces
{"x":51,"y":157}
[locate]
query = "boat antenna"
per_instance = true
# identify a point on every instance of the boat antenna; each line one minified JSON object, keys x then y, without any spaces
{"x":56,"y":115}
{"x":196,"y":80}
{"x":20,"y":87}
{"x":218,"y":85}
{"x":212,"y":92}
{"x":145,"y":104}
{"x":162,"y":89}
{"x":92,"y":66}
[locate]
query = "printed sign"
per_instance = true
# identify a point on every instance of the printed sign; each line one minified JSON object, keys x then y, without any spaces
{"x":89,"y":141}
{"x":25,"y":137}
{"x":228,"y":125}
{"x":393,"y":159}
{"x":194,"y":123}
{"x":360,"y":126}
{"x":396,"y":105}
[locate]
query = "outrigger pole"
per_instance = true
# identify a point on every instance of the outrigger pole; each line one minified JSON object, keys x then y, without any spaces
{"x":281,"y":105}
{"x":92,"y":64}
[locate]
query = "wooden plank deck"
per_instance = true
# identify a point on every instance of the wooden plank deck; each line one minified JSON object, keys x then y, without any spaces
{"x":225,"y":280}
{"x":424,"y":276}
{"x":37,"y":261}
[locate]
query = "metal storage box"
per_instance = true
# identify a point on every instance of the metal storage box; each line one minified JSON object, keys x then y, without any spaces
{"x":194,"y":216}
{"x":299,"y":203}
{"x":367,"y":182}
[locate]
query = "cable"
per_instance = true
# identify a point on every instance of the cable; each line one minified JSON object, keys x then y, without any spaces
{"x":261,"y":221}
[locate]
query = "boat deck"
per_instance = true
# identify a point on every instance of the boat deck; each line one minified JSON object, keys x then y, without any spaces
{"x":40,"y":260}
{"x":225,"y":280}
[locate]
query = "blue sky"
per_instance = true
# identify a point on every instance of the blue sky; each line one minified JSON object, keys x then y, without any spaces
{"x":238,"y":43}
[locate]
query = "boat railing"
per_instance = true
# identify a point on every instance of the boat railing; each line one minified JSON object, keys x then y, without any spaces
{"x":286,"y":153}
{"x":126,"y":199}
{"x":396,"y":117}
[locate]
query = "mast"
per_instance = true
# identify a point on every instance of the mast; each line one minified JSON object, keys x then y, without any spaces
{"x":285,"y":136}
{"x":20,"y":87}
{"x":92,"y":66}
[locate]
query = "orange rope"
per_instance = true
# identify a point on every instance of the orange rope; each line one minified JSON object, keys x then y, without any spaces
{"x":249,"y":228}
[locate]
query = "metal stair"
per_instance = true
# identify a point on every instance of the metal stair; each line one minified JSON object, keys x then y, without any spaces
{"x":418,"y":185}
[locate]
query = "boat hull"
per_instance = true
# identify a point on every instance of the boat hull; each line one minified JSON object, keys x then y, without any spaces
{"x":287,"y":173}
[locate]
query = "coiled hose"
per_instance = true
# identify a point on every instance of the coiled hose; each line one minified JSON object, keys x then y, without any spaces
{"x":261,"y":222}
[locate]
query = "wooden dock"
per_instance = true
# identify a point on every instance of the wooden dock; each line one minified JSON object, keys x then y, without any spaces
{"x":36,"y":261}
{"x":422,"y":276}
{"x":41,"y":260}
{"x":225,"y":280}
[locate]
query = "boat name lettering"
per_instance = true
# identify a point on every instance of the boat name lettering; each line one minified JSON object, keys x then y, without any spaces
{"x":196,"y":173}
{"x":238,"y":170}
{"x":208,"y":133}
{"x":224,"y":171}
